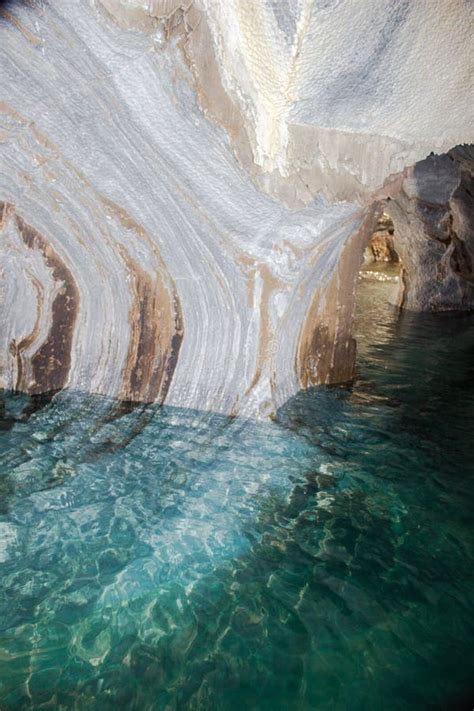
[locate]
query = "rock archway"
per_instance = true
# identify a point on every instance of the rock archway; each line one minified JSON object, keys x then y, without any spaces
{"x":423,"y":220}
{"x":432,"y":212}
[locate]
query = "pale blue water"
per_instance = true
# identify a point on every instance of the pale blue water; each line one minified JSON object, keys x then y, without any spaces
{"x":165,"y":559}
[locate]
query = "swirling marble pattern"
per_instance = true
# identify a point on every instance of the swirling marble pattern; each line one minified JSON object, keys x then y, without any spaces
{"x":140,"y":259}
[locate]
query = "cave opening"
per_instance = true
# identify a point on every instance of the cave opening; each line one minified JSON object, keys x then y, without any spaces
{"x":420,"y":257}
{"x":381,"y":247}
{"x":382,"y":264}
{"x":381,"y":255}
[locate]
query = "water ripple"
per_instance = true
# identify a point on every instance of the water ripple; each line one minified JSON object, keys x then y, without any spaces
{"x":165,"y":559}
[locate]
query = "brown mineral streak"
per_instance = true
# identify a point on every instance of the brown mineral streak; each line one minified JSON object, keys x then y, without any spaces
{"x":326,"y":348}
{"x":34,"y":39}
{"x":17,"y":349}
{"x":7,"y":210}
{"x":270,"y":284}
{"x":214,"y":101}
{"x":156,"y":325}
{"x":7,"y":111}
{"x":52,"y":361}
{"x":150,"y":335}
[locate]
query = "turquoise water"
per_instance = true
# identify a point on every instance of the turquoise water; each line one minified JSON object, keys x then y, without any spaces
{"x":166,"y":559}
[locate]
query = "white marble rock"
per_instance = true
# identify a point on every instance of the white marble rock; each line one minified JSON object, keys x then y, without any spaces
{"x":187,"y":187}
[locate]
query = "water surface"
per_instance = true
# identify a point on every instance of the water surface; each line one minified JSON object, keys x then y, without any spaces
{"x":166,"y":559}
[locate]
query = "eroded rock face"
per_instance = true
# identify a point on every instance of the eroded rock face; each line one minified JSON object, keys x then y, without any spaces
{"x":187,"y":187}
{"x":432,"y":209}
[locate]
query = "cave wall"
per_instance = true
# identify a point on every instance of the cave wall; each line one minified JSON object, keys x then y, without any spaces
{"x":432,"y":209}
{"x":186,"y":187}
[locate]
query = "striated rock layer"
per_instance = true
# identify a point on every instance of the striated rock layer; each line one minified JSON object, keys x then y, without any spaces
{"x":187,"y":188}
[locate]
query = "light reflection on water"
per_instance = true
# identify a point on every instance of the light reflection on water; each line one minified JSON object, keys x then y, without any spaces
{"x":166,"y":559}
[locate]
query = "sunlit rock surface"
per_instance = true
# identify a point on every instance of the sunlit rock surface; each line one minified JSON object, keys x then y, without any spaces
{"x":187,"y":188}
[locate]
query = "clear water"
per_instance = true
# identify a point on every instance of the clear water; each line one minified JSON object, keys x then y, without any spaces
{"x":163,"y":559}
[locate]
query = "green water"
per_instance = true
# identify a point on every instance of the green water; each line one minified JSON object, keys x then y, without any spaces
{"x":165,"y":559}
